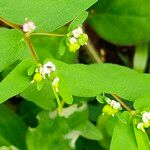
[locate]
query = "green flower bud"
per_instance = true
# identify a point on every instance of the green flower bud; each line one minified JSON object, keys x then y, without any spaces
{"x":108,"y":110}
{"x":37,"y":77}
{"x":146,"y":124}
{"x":74,"y":47}
{"x":83,"y":38}
{"x":115,"y":110}
{"x":67,"y":42}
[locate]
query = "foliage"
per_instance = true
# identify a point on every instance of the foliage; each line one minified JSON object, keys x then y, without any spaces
{"x":49,"y":100}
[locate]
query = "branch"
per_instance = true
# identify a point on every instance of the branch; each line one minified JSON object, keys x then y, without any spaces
{"x":31,"y":48}
{"x":121,"y":102}
{"x":92,"y":52}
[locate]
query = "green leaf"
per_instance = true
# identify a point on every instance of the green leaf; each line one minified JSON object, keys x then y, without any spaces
{"x":110,"y":125}
{"x":64,"y":91}
{"x":91,"y":132}
{"x":63,"y":47}
{"x":123,"y":135}
{"x":100,"y":99}
{"x":12,"y":46}
{"x":120,"y":117}
{"x":142,"y":103}
{"x":16,"y":81}
{"x":44,"y":98}
{"x":122,"y":22}
{"x":12,"y":129}
{"x":141,"y":138}
{"x":47,"y":15}
{"x":102,"y":122}
{"x":53,"y":129}
{"x":141,"y":57}
{"x":91,"y":80}
{"x":78,"y":21}
{"x":48,"y":47}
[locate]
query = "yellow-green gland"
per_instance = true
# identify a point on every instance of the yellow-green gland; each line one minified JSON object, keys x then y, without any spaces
{"x":82,"y":39}
{"x":74,"y":47}
{"x":37,"y":77}
{"x":146,"y":124}
{"x":108,"y":110}
{"x":115,"y":110}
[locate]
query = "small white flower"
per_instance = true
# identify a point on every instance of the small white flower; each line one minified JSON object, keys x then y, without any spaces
{"x":115,"y":105}
{"x":141,"y":126}
{"x":108,"y":100}
{"x":47,"y":69}
{"x":55,"y":83}
{"x":50,"y":66}
{"x":146,"y":117}
{"x":29,"y":26}
{"x":73,"y":40}
{"x":77,"y":32}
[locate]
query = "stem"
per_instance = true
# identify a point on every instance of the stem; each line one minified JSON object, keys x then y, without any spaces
{"x":62,"y":103}
{"x":15,"y":26}
{"x":48,"y":34}
{"x":91,"y":50}
{"x":58,"y":100}
{"x":121,"y":102}
{"x":31,"y":48}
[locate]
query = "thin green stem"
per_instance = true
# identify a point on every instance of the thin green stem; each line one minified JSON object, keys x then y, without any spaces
{"x":58,"y":100}
{"x":47,"y":34}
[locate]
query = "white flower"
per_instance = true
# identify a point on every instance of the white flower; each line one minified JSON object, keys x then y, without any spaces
{"x":73,"y":40}
{"x":146,"y":117}
{"x":77,"y":32}
{"x":55,"y":83}
{"x":29,"y":26}
{"x":47,"y":69}
{"x":108,"y":100}
{"x":50,"y":66}
{"x":141,"y":126}
{"x":115,"y":105}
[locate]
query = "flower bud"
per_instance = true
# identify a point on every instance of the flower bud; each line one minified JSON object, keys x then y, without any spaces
{"x":83,"y":38}
{"x":108,"y":110}
{"x":37,"y":77}
{"x":29,"y":26}
{"x":115,"y":110}
{"x":141,"y":126}
{"x":74,"y":47}
{"x":146,"y":124}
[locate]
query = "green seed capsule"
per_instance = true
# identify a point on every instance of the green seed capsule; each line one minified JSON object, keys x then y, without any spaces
{"x":74,"y":47}
{"x":146,"y":124}
{"x":116,"y":110}
{"x":37,"y":77}
{"x":108,"y":110}
{"x":83,"y":39}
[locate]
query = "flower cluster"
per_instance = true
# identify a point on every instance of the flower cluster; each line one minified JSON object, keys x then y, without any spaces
{"x":76,"y":38}
{"x":145,"y":121}
{"x":42,"y":72}
{"x":29,"y":26}
{"x":111,"y":108}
